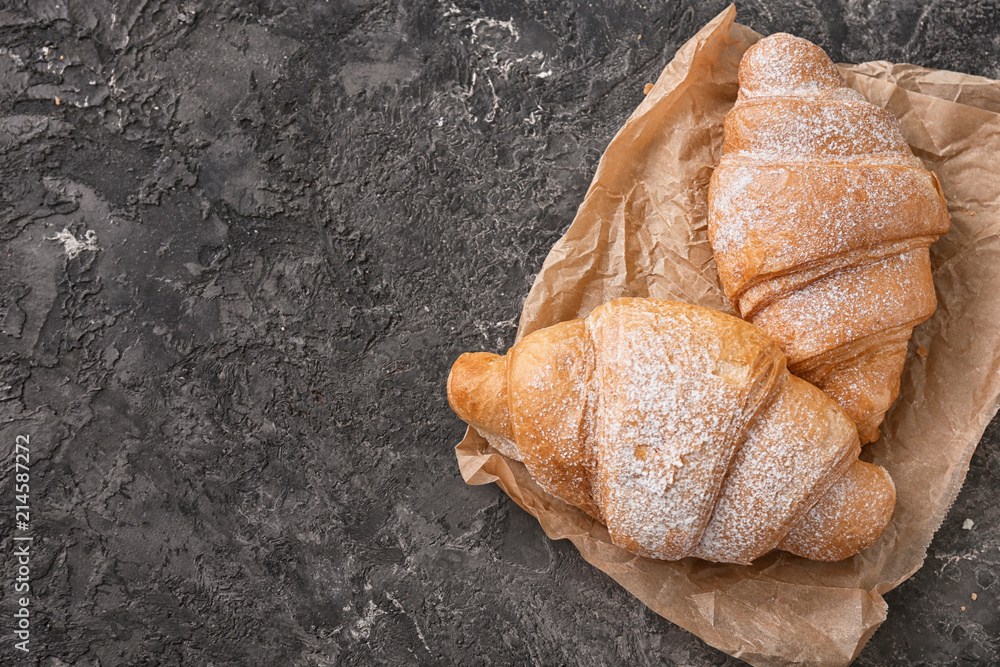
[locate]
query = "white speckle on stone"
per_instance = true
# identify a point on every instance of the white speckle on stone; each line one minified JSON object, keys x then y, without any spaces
{"x":74,"y":246}
{"x":493,"y":23}
{"x":968,"y":524}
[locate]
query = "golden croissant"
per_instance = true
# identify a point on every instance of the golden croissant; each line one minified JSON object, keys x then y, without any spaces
{"x":821,"y":218}
{"x":680,"y":428}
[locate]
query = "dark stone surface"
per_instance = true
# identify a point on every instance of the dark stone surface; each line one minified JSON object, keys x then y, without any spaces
{"x":302,"y":213}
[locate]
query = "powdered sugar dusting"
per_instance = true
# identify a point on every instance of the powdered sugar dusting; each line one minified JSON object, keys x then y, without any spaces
{"x":761,"y":501}
{"x":849,"y":517}
{"x":550,"y":392}
{"x":761,"y":209}
{"x":673,"y":406}
{"x":781,"y":128}
{"x":788,"y":65}
{"x":894,"y":295}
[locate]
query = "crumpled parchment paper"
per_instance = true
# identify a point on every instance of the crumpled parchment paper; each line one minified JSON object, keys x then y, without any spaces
{"x":641,"y":231}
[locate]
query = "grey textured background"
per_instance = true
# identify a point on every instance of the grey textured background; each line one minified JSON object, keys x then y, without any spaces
{"x":304,"y":211}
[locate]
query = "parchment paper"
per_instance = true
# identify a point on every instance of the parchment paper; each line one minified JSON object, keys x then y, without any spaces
{"x":641,"y":231}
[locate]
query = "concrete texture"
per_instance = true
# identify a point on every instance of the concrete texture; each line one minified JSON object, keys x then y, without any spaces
{"x":283,"y":221}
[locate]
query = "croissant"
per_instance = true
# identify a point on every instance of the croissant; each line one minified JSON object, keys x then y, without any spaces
{"x":680,"y":428}
{"x":820,"y":219}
